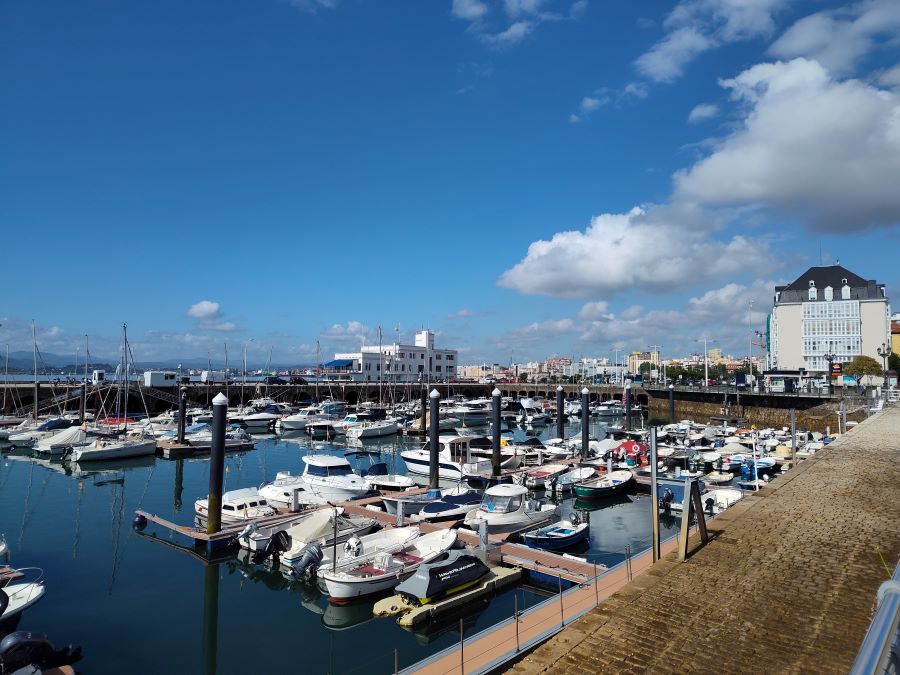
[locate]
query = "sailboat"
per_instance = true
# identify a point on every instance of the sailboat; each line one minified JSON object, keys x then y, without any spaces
{"x":129,"y":446}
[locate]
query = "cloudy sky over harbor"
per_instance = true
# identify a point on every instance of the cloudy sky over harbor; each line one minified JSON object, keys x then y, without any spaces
{"x":525,"y":177}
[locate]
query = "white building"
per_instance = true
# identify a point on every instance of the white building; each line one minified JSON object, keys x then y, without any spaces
{"x":826,"y":312}
{"x":396,"y":362}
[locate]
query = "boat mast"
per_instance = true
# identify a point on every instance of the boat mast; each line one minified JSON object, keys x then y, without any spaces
{"x":34,"y":354}
{"x":318,"y":360}
{"x":125,"y":357}
{"x":380,"y":367}
{"x":6,"y":378}
{"x":227,"y":378}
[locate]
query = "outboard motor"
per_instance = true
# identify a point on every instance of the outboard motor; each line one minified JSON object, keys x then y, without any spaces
{"x":665,"y":502}
{"x":709,"y":503}
{"x":352,"y":547}
{"x":574,"y":519}
{"x":278,"y":543}
{"x":22,"y":649}
{"x":310,"y":557}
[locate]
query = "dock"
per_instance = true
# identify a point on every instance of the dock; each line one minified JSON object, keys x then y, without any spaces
{"x":786,"y":584}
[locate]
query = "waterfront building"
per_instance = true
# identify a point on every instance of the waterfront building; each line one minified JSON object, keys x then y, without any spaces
{"x":635,"y":359}
{"x":396,"y":362}
{"x":827,"y":315}
{"x":895,"y":335}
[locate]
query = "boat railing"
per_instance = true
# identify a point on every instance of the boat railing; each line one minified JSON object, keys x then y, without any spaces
{"x":880,"y":650}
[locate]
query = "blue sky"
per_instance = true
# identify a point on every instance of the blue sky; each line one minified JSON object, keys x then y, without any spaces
{"x":525,"y":177}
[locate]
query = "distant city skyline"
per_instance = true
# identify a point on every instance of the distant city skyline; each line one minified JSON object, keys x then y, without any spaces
{"x":523,"y":178}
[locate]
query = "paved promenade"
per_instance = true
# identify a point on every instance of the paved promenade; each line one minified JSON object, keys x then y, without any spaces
{"x":787,"y":584}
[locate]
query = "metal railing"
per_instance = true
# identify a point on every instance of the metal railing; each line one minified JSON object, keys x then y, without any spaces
{"x":880,"y":650}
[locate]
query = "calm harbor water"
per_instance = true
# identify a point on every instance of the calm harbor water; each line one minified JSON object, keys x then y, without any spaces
{"x":145,"y":606}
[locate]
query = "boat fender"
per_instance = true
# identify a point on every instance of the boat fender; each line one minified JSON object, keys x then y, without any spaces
{"x":352,"y":547}
{"x":139,"y":522}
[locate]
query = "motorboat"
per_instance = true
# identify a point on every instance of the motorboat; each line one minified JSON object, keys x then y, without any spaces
{"x":607,"y":485}
{"x":540,"y":477}
{"x":450,"y":572}
{"x":62,"y":442}
{"x":611,"y":408}
{"x":301,"y":419}
{"x":378,"y":478}
{"x":714,"y":501}
{"x":316,"y":528}
{"x":412,"y":503}
{"x":506,"y":508}
{"x":17,"y":594}
{"x":374,"y":429}
{"x":453,"y":505}
{"x":237,"y":506}
{"x":559,"y":535}
{"x":455,"y":459}
{"x":332,"y":478}
{"x":309,"y":559}
{"x":100,"y":449}
{"x":280,"y":492}
{"x":470,"y":413}
{"x":567,"y":481}
{"x":385,"y":569}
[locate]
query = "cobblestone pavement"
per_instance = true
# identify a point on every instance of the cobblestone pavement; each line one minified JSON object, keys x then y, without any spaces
{"x":787,"y":584}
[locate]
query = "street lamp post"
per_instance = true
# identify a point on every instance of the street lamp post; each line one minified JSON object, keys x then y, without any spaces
{"x":706,"y":340}
{"x":884,"y":351}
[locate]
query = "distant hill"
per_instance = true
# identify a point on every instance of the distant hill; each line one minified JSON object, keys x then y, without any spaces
{"x":22,"y":361}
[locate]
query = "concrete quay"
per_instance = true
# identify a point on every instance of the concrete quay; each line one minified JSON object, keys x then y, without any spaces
{"x":787,"y":583}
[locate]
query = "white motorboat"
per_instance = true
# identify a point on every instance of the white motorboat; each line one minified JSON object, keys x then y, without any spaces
{"x":714,"y":501}
{"x":506,"y":508}
{"x":332,"y":478}
{"x":470,"y":413}
{"x":280,"y":492}
{"x":378,"y":478}
{"x":359,"y":549}
{"x":131,"y":446}
{"x":455,"y":459}
{"x":305,"y":416}
{"x":17,"y":596}
{"x":315,"y":527}
{"x":238,"y":506}
{"x":373,"y":429}
{"x":386,"y":569}
{"x":62,"y":442}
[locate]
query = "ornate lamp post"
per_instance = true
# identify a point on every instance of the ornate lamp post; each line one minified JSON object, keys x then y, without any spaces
{"x":830,"y":358}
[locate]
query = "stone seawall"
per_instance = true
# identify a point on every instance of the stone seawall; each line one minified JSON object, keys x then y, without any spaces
{"x":822,"y":418}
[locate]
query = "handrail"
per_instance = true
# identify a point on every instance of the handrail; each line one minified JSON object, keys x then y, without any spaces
{"x":880,"y":650}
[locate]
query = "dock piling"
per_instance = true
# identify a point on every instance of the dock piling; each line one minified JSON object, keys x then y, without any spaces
{"x":433,"y":440}
{"x":585,"y":421}
{"x":516,"y":615}
{"x":672,"y":404}
{"x":495,"y":440}
{"x":560,"y":413}
{"x":793,"y":438}
{"x":182,"y":405}
{"x":654,"y":497}
{"x":628,"y":406}
{"x":217,"y":464}
{"x":82,"y":404}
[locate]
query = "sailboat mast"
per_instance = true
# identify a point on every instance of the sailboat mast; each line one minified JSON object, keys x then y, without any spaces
{"x":227,"y":378}
{"x":6,"y":378}
{"x":125,"y":357}
{"x":318,"y":361}
{"x":380,"y":367}
{"x":34,"y":354}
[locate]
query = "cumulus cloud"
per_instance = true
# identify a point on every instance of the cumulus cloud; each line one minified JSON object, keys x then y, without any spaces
{"x":605,"y":96}
{"x":696,"y":26}
{"x":204,"y":310}
{"x":460,"y":314}
{"x":470,"y":10}
{"x":703,"y":112}
{"x":890,"y":77}
{"x":313,"y":6}
{"x":537,"y":332}
{"x":505,"y":23}
{"x":352,"y":331}
{"x":810,"y":146}
{"x":221,"y":326}
{"x":839,"y":38}
{"x":594,"y":310}
{"x":659,"y":250}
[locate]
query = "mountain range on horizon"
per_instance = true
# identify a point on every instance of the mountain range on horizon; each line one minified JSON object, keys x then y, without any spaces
{"x":24,"y":361}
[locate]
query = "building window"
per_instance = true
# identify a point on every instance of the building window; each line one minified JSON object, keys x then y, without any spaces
{"x":813,"y":293}
{"x":437,"y":356}
{"x":829,"y":293}
{"x":437,"y":369}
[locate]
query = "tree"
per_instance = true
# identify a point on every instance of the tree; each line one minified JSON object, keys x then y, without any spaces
{"x":894,"y":362}
{"x":861,"y":366}
{"x":523,"y":377}
{"x":645,"y":368}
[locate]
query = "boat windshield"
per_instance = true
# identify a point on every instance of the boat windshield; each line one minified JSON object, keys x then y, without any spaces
{"x":314,"y":470}
{"x":500,"y":504}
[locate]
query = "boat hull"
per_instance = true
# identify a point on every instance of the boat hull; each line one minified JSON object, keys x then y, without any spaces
{"x":114,"y":451}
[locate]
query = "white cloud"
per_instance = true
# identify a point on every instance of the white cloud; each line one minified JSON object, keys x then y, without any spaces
{"x":204,"y":310}
{"x":538,"y":332}
{"x":660,"y":250}
{"x":594,"y":310}
{"x":221,"y":326}
{"x":890,"y":77}
{"x":313,"y":6}
{"x":460,"y":314}
{"x":635,"y":90}
{"x":632,"y":312}
{"x":810,"y":146}
{"x":605,"y":96}
{"x":702,"y":112}
{"x":839,"y":38}
{"x":516,"y":32}
{"x":517,"y":8}
{"x":666,"y":60}
{"x":695,"y":26}
{"x":353,"y":331}
{"x":470,"y":10}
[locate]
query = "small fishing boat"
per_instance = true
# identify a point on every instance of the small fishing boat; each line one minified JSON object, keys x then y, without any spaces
{"x":718,"y":477}
{"x":449,"y":573}
{"x":540,"y":477}
{"x":280,"y":492}
{"x":317,"y":528}
{"x":506,"y":508}
{"x":237,"y":506}
{"x":386,"y":569}
{"x":567,"y":481}
{"x":559,"y":535}
{"x":26,"y":437}
{"x":62,"y":442}
{"x":605,"y":486}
